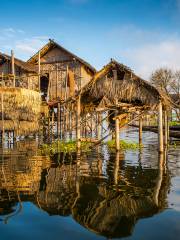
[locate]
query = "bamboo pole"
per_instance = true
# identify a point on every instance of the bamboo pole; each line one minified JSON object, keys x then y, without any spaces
{"x":160,"y":127}
{"x":99,"y":126}
{"x":52,"y":123}
{"x":39,"y":70}
{"x":58,"y":120}
{"x":67,"y":70}
{"x":56,"y":81}
{"x":91,"y":124}
{"x":78,"y":125}
{"x":12,"y":67}
{"x":117,"y":139}
{"x":2,"y":110}
{"x":165,"y":128}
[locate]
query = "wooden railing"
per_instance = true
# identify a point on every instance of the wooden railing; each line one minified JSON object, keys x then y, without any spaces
{"x":10,"y":80}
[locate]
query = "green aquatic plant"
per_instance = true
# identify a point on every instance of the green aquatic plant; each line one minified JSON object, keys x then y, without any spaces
{"x":124,"y":145}
{"x":63,"y":146}
{"x":174,"y":123}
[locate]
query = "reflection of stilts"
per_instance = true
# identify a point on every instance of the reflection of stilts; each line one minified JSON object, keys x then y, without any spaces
{"x":159,"y":179}
{"x":77,"y":178}
{"x":116,"y":167}
{"x":5,"y":220}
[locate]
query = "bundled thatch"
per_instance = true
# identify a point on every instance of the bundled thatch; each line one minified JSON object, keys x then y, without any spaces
{"x":19,"y":110}
{"x":117,"y":82}
{"x":22,"y":128}
{"x":20,"y":104}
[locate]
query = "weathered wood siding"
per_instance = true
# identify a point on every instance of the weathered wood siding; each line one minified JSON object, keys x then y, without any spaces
{"x":55,"y":64}
{"x":24,"y":78}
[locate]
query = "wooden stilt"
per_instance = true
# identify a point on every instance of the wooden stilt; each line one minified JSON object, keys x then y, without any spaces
{"x":49,"y":127}
{"x":140,"y":130}
{"x":58,"y":120}
{"x":2,"y":115}
{"x":99,"y":126}
{"x":117,"y":134}
{"x":78,"y":125}
{"x":165,"y":128}
{"x":52,"y":124}
{"x":12,"y":67}
{"x":91,"y":124}
{"x":160,"y":127}
{"x":39,"y":71}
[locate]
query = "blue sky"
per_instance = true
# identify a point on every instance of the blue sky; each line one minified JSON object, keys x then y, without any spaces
{"x":143,"y":34}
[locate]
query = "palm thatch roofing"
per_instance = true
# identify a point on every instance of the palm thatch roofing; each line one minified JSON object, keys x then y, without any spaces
{"x":175,"y":98}
{"x":127,"y":89}
{"x":28,"y":67}
{"x":51,"y":45}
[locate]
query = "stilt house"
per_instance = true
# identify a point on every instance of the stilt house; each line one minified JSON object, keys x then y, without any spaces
{"x":62,"y":73}
{"x":22,"y":73}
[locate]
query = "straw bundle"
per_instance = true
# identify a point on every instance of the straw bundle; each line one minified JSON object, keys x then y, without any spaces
{"x":20,"y":104}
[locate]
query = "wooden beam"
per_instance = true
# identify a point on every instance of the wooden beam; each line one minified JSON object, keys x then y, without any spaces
{"x":39,"y":70}
{"x":12,"y":67}
{"x":166,"y":130}
{"x":160,"y":127}
{"x":78,"y":120}
{"x":58,"y":119}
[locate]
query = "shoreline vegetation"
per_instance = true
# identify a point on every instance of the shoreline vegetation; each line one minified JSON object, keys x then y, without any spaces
{"x":71,"y":146}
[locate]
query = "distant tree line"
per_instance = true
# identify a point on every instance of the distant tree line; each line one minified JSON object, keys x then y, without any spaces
{"x":168,"y":81}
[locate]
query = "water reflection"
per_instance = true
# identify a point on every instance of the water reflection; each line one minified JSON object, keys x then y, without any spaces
{"x":99,"y":189}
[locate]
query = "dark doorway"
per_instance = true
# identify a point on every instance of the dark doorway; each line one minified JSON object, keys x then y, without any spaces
{"x":44,"y":83}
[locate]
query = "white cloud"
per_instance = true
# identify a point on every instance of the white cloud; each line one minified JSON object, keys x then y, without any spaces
{"x":145,"y":50}
{"x":23,"y":47}
{"x":29,"y":46}
{"x":149,"y":57}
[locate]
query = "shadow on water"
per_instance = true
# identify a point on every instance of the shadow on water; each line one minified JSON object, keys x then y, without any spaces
{"x":100,"y":190}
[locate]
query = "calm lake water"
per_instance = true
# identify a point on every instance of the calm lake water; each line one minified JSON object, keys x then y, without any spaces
{"x":99,"y":195}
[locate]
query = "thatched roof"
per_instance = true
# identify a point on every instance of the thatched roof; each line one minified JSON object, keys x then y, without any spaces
{"x":175,"y":98}
{"x":130,"y":89}
{"x":52,"y":44}
{"x":23,"y":65}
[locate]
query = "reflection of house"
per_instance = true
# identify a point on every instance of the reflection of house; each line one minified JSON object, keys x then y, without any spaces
{"x":108,"y":206}
{"x":60,"y":70}
{"x":96,"y":203}
{"x":20,"y":169}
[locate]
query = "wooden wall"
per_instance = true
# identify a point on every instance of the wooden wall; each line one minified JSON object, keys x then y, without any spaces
{"x":24,"y":79}
{"x":55,"y":64}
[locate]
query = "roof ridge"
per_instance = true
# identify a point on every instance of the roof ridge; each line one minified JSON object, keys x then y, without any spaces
{"x":51,"y":41}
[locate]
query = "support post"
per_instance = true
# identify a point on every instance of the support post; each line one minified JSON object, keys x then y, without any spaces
{"x":12,"y":67}
{"x":99,"y":126}
{"x":140,"y":130}
{"x":160,"y":128}
{"x":58,"y":120}
{"x":78,"y":122}
{"x":2,"y":114}
{"x":52,"y":124}
{"x":166,"y":128}
{"x":67,"y":70}
{"x":117,"y":134}
{"x":39,"y":70}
